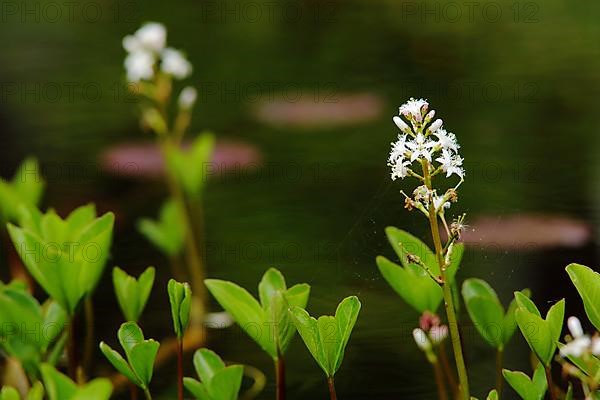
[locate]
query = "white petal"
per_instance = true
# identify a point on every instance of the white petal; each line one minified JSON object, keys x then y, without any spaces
{"x":175,"y":63}
{"x":153,"y":36}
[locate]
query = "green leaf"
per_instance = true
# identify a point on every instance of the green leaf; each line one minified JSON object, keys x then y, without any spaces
{"x":327,"y":337}
{"x":404,"y":244}
{"x":509,"y":324}
{"x":180,"y":297}
{"x":271,"y":283}
{"x":120,"y":364}
{"x":142,"y":360}
{"x":24,"y":190}
{"x":225,"y":385}
{"x":207,"y":363}
{"x":9,"y":393}
{"x":345,"y":316}
{"x":528,"y":389}
{"x":267,"y":322}
{"x":196,"y":388}
{"x":140,"y":353}
{"x":523,"y":301}
{"x":98,"y":389}
{"x":485,"y":310}
{"x":541,"y":334}
{"x":456,"y":255}
{"x":309,"y":332}
{"x":199,"y":155}
{"x":244,"y":309}
{"x":36,"y":392}
{"x":65,"y":256}
{"x":132,"y":293}
{"x":218,"y":381}
{"x":168,"y":232}
{"x":296,"y":296}
{"x":58,"y":386}
{"x":492,"y":395}
{"x":414,"y":285}
{"x":61,"y":387}
{"x":587,"y":283}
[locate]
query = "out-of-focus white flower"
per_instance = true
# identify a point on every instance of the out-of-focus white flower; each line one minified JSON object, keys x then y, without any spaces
{"x":143,"y":48}
{"x":421,"y":339}
{"x":420,"y":147}
{"x":139,"y":65}
{"x":218,"y":320}
{"x":174,"y":63}
{"x":581,"y":342}
{"x":596,"y":346}
{"x":151,"y":36}
{"x":451,"y":163}
{"x":187,"y":97}
{"x":413,"y":109}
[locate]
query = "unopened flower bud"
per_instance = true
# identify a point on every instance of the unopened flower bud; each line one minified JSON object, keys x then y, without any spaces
{"x":428,"y":320}
{"x":402,"y":125}
{"x":429,"y":116}
{"x":421,"y":339}
{"x":187,"y":97}
{"x":437,"y":124}
{"x":575,"y":327}
{"x":437,"y":334}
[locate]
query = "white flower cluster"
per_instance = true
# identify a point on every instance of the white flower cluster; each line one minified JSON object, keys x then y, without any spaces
{"x":146,"y":48}
{"x":423,"y":140}
{"x":580,"y":343}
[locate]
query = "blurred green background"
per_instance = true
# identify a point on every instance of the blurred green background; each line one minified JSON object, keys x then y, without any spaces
{"x":517,"y":81}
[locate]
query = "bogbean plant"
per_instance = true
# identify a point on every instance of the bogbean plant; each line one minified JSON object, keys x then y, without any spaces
{"x":66,"y":257}
{"x":425,"y":151}
{"x":152,"y":71}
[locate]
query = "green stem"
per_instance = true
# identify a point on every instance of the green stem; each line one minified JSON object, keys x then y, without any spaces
{"x":499,"y":377}
{"x":58,"y":348}
{"x":331,"y":384}
{"x":447,"y":292}
{"x":72,"y":356}
{"x":180,"y":369}
{"x":147,"y":394}
{"x":193,"y":256}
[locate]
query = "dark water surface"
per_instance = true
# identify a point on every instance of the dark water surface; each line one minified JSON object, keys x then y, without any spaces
{"x":517,"y":81}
